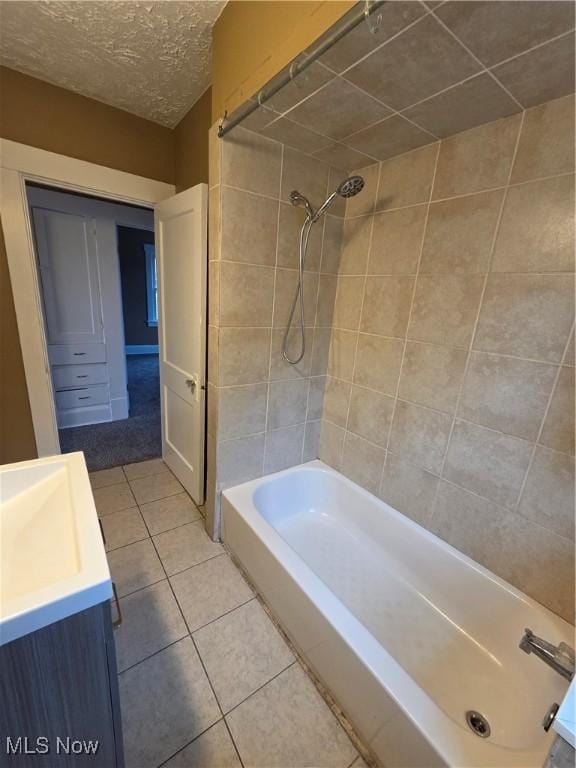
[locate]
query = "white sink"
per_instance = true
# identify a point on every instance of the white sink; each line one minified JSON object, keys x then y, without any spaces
{"x":52,"y":558}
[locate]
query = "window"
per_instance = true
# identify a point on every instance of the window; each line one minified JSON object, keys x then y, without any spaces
{"x":151,"y":284}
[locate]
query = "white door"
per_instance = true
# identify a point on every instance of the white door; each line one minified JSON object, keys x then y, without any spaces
{"x":68,"y":259}
{"x":181,"y":260}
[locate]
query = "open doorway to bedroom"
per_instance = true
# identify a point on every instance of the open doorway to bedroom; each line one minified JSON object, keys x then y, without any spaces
{"x":98,"y":285}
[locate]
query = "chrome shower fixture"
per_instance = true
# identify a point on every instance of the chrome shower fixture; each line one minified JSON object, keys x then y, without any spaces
{"x":347,"y":188}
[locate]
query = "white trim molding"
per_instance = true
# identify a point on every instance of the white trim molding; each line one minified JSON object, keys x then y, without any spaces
{"x":20,"y":163}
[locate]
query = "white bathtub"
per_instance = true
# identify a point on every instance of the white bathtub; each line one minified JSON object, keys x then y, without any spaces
{"x":405,"y":631}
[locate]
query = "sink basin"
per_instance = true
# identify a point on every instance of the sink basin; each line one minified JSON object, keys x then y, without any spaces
{"x":52,"y":558}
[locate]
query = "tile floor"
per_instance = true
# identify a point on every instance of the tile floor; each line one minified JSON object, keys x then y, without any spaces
{"x":206,"y":680}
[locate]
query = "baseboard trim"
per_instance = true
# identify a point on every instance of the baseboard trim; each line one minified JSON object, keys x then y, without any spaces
{"x":141,"y":349}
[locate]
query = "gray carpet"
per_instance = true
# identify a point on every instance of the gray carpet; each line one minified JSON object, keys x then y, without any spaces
{"x":133,"y":439}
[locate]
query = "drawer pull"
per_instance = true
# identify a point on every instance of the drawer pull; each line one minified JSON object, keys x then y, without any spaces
{"x":78,"y":354}
{"x":118,"y":620}
{"x":86,"y":397}
{"x":84,"y":376}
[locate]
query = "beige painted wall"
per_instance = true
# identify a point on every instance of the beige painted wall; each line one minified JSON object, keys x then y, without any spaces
{"x":52,"y":118}
{"x":450,"y":389}
{"x":191,"y":144}
{"x":253,"y":41}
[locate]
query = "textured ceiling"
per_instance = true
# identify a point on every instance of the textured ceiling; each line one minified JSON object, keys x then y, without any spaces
{"x":149,"y":58}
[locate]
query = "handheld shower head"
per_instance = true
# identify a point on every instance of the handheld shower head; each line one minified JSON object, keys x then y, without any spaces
{"x":350,"y":186}
{"x":296,"y":198}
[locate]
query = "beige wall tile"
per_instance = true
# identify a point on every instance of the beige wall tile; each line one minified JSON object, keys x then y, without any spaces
{"x":378,"y":363}
{"x":469,"y":523}
{"x":246,"y":295}
{"x":240,"y":460}
{"x":336,"y":399}
{"x":321,"y":351}
{"x":408,"y":489}
{"x":407,"y":179}
{"x":348,"y":303}
{"x":212,"y":397}
{"x":558,"y":431}
{"x":331,"y":444}
{"x":214,"y":223}
{"x":526,"y":315}
{"x":548,"y":496}
{"x":316,"y":398}
{"x":290,"y":224}
{"x":213,"y":292}
{"x":305,"y":174}
{"x":287,"y":401}
{"x":537,"y":229}
{"x":326,"y":299}
{"x":283,"y":448}
{"x":506,"y":394}
{"x":539,"y":563}
{"x":477,"y":159}
{"x":387,"y":305}
{"x":432,"y":375}
{"x":546,"y":145}
{"x":244,"y":214}
{"x":244,"y":355}
{"x":445,"y":309}
{"x":332,"y":244}
{"x":570,"y":351}
{"x":251,"y":162}
{"x":486,"y":462}
{"x":242,"y":410}
{"x":355,"y":245}
{"x":362,"y":462}
{"x":311,"y":449}
{"x":363,"y":203}
{"x":342,"y":354}
{"x":280,"y":369}
{"x":370,"y":415}
{"x":397,"y":241}
{"x":213,"y":355}
{"x":460,"y":233}
{"x":420,"y":436}
{"x":286,"y":285}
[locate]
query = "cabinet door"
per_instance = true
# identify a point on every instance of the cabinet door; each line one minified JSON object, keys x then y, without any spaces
{"x":68,"y":261}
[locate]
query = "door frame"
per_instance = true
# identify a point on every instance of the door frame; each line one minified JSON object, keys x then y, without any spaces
{"x":20,"y":163}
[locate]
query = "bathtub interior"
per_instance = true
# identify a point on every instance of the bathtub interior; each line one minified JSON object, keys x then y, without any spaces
{"x":449,"y":623}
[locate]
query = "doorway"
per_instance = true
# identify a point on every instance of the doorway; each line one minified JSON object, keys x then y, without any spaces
{"x":97,"y":268}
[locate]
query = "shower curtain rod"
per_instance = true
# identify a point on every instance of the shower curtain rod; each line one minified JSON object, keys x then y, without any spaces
{"x":299,"y":64}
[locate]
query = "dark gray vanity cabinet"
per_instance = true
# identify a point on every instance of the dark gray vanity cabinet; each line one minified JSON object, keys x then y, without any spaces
{"x":59,"y":695}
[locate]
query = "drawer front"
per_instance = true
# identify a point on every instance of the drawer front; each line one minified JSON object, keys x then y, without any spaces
{"x":76,"y":354}
{"x":79,"y":398}
{"x":68,"y":376}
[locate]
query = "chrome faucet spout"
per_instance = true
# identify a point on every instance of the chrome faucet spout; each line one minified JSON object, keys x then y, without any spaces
{"x":561,"y":658}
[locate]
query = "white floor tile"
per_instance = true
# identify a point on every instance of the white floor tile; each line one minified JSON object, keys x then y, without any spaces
{"x":165,"y":514}
{"x":185,"y":546}
{"x":155,"y":487}
{"x":124,"y":527}
{"x":113,"y":498}
{"x":144,"y":468}
{"x":287,"y":723}
{"x":213,"y":749}
{"x":207,"y":591}
{"x":241,"y":652}
{"x":166,"y":702}
{"x":106,"y":477}
{"x":135,"y":566}
{"x":151,"y":620}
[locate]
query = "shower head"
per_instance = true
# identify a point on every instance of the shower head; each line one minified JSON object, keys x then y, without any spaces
{"x":296,"y":198}
{"x":351,"y":186}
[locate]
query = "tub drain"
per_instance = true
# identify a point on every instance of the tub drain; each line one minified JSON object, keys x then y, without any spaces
{"x":478,"y":723}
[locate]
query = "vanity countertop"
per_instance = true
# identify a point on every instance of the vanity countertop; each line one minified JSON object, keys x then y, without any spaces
{"x":52,"y":557}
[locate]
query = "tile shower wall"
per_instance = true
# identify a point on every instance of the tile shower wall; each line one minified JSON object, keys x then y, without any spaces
{"x":450,"y":388}
{"x":264,"y":414}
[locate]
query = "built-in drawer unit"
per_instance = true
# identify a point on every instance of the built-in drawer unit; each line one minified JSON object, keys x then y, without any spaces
{"x":73,"y":354}
{"x":74,"y":376}
{"x":79,"y":398}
